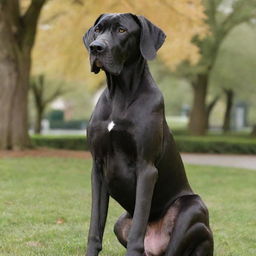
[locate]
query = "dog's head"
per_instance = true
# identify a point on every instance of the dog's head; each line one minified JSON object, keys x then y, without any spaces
{"x":116,"y":39}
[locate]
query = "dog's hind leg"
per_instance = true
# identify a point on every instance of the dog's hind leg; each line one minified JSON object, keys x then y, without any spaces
{"x":191,"y":235}
{"x":204,"y":249}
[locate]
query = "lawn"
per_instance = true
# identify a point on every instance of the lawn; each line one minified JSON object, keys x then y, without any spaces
{"x":45,"y":207}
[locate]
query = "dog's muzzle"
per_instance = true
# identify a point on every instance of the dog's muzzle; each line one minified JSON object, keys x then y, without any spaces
{"x":97,"y":47}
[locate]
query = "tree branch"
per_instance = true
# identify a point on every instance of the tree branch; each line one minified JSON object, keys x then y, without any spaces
{"x":79,"y":2}
{"x":10,"y":14}
{"x":211,"y":9}
{"x":58,"y":92}
{"x":30,"y":20}
{"x":243,"y":11}
{"x":13,"y":9}
{"x":211,"y":105}
{"x":37,"y":94}
{"x":37,"y":86}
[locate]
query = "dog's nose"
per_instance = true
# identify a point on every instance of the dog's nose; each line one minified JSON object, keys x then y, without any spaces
{"x":97,"y":47}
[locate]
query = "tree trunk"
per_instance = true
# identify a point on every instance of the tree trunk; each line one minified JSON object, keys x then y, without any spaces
{"x":13,"y":111}
{"x":229,"y":104}
{"x":19,"y":115}
{"x":14,"y":73}
{"x":17,"y":34}
{"x":253,"y":133}
{"x":209,"y":109}
{"x":8,"y":82}
{"x":38,"y":123}
{"x":198,"y":115}
{"x":8,"y":76}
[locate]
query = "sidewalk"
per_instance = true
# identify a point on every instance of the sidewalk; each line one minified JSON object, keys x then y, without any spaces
{"x":237,"y":161}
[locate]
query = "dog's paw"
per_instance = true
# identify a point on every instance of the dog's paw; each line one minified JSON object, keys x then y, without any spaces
{"x":134,"y":253}
{"x":91,"y":253}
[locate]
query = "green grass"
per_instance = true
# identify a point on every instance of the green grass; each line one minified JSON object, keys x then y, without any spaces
{"x":35,"y":193}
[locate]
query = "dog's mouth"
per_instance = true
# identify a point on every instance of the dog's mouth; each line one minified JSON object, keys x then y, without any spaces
{"x":96,"y":65}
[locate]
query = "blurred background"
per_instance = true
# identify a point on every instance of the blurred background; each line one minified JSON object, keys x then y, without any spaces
{"x":205,"y":69}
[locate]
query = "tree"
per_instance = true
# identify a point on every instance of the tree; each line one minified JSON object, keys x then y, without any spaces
{"x":222,"y":17}
{"x":229,"y":94}
{"x":17,"y":37}
{"x":253,"y":133}
{"x":181,"y":20}
{"x":234,"y":71}
{"x":210,"y":107}
{"x":42,"y":98}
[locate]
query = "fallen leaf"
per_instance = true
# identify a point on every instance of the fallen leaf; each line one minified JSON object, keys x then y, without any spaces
{"x":60,"y":221}
{"x":34,"y":244}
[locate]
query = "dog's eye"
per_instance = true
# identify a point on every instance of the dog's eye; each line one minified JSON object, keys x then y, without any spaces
{"x":121,"y":30}
{"x":97,"y":30}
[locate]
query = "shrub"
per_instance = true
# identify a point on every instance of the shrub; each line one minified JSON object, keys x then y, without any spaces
{"x":216,"y":144}
{"x":207,"y":144}
{"x":68,"y":125}
{"x":61,"y":142}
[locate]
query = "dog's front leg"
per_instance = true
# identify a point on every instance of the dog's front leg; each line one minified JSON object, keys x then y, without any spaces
{"x":146,"y":179}
{"x":100,"y":199}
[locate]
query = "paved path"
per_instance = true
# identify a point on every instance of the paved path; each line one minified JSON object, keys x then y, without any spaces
{"x":238,"y":161}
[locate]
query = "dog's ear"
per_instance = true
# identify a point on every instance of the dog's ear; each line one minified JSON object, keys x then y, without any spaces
{"x":151,"y":38}
{"x":88,"y":37}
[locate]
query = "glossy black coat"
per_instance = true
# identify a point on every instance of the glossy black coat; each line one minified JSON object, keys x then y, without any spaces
{"x":135,"y":157}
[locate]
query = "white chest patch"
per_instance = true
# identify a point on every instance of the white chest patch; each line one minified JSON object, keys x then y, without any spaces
{"x":111,"y":126}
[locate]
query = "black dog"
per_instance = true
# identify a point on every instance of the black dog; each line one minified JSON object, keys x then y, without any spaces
{"x":135,"y":159}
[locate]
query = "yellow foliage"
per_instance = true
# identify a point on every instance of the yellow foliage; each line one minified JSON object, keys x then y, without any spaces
{"x":59,"y":50}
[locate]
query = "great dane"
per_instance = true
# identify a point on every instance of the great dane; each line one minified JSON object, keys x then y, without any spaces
{"x":135,"y":159}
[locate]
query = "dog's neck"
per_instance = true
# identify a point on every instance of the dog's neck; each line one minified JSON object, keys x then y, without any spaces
{"x":129,"y":80}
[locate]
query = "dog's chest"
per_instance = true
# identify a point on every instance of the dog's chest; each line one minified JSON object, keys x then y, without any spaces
{"x":110,"y":137}
{"x":112,"y":142}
